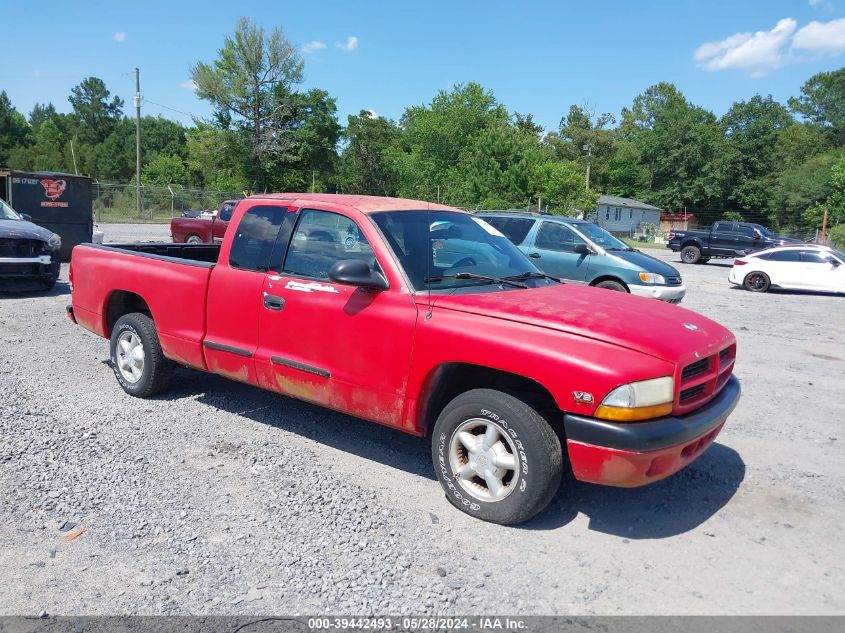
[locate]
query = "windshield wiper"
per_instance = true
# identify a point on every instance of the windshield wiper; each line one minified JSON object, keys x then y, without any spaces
{"x":485,"y":278}
{"x":533,"y":275}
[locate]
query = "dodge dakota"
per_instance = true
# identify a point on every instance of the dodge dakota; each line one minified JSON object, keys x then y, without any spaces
{"x":426,"y":319}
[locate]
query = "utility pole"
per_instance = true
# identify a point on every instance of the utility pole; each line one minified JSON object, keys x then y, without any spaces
{"x":588,"y":148}
{"x":824,"y":228}
{"x":138,"y":142}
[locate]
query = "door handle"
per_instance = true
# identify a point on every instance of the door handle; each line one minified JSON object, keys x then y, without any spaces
{"x":272,"y":302}
{"x":534,"y":255}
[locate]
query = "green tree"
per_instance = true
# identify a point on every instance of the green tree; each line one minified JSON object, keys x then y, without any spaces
{"x":435,"y":137}
{"x":14,"y":130}
{"x":365,"y":165}
{"x":166,"y":169}
{"x":585,"y":138}
{"x":822,"y":102}
{"x":95,"y":111}
{"x":674,"y":144}
{"x":748,"y":162}
{"x":216,"y":157}
{"x":250,"y":83}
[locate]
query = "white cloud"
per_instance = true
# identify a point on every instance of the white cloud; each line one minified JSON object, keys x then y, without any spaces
{"x":120,"y":36}
{"x":313,"y":46}
{"x":351,"y":44}
{"x":821,"y":37}
{"x":373,"y":114}
{"x":189,"y":84}
{"x":815,"y":2}
{"x":756,"y":53}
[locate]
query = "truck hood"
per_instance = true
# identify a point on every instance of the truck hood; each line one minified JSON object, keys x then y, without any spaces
{"x":646,"y":263}
{"x":662,"y":330}
{"x":23,"y":230}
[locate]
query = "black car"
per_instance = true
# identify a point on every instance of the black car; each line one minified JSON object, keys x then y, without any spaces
{"x":724,"y":239}
{"x":27,"y":251}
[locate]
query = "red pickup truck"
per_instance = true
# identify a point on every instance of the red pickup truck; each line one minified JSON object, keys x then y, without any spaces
{"x":426,"y":319}
{"x":203,"y":230}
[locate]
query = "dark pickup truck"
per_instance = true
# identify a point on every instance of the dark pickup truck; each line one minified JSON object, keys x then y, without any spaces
{"x":724,"y":239}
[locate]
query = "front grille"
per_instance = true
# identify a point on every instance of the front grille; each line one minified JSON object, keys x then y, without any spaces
{"x":701,"y":380}
{"x":12,"y":247}
{"x":674,"y":280}
{"x":698,"y":367}
{"x":689,"y":394}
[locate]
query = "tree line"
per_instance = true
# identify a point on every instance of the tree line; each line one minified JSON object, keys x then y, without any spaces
{"x":781,"y":164}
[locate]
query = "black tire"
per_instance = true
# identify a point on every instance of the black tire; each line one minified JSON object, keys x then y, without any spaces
{"x":193,"y":238}
{"x":756,"y":281}
{"x":157,"y":370}
{"x":609,"y":284}
{"x":532,"y":443}
{"x":48,"y":283}
{"x":690,"y":254}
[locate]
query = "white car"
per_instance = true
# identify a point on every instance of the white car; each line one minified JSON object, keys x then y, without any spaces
{"x":796,"y":267}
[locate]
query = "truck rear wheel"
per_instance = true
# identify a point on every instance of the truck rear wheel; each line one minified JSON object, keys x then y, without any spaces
{"x":136,"y":357}
{"x":690,"y":254}
{"x":193,"y":238}
{"x":496,"y":457}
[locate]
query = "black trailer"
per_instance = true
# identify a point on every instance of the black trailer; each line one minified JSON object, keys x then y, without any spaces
{"x":58,"y":202}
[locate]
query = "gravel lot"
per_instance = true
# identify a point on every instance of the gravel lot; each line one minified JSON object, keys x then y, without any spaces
{"x":221,"y":498}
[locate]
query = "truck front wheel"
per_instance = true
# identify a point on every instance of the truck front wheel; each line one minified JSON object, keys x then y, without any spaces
{"x":690,"y":254}
{"x":496,"y":457}
{"x":193,"y":238}
{"x":136,"y":356}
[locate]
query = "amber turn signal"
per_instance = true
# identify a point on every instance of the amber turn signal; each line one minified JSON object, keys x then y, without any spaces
{"x":635,"y":414}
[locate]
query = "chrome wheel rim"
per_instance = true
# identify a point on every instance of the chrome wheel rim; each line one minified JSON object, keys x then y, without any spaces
{"x":484,"y":460}
{"x":194,"y":240}
{"x":130,"y":356}
{"x":689,"y":256}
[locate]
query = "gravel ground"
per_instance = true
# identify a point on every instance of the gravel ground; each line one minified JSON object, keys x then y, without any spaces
{"x":220,"y":498}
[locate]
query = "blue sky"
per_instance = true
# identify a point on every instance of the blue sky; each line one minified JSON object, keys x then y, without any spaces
{"x":538,"y":57}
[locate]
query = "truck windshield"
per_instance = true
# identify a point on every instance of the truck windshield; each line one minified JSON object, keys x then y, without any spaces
{"x":439,"y":245}
{"x":7,"y":212}
{"x":599,"y":236}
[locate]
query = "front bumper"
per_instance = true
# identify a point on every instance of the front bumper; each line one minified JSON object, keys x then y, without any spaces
{"x":41,"y":266}
{"x":639,"y":453}
{"x":672,"y":294}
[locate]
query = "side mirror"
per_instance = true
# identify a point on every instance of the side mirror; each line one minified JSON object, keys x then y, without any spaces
{"x":356,"y":272}
{"x":25,"y":217}
{"x":582,"y":249}
{"x":757,"y":234}
{"x":834,"y":262}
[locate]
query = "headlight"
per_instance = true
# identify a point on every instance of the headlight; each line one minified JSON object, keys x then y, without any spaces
{"x":642,"y":400}
{"x":54,"y":242}
{"x":652,"y":278}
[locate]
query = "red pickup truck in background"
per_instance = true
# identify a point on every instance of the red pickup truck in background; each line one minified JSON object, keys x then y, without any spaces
{"x":203,"y":230}
{"x":426,"y":319}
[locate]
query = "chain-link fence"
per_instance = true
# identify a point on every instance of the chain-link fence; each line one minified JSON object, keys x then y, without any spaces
{"x":116,"y":203}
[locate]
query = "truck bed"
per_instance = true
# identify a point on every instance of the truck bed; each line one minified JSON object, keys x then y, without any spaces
{"x":170,"y":281}
{"x":192,"y":254}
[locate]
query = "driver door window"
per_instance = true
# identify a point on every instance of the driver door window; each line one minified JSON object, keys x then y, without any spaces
{"x":322,"y":239}
{"x":557,"y":237}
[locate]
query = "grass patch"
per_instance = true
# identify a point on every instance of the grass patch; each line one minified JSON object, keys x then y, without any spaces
{"x":643,"y":245}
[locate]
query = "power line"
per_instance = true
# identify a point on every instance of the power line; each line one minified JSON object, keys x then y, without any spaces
{"x":161,"y":105}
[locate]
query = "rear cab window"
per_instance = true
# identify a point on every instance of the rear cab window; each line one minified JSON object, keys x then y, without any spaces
{"x":257,"y":242}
